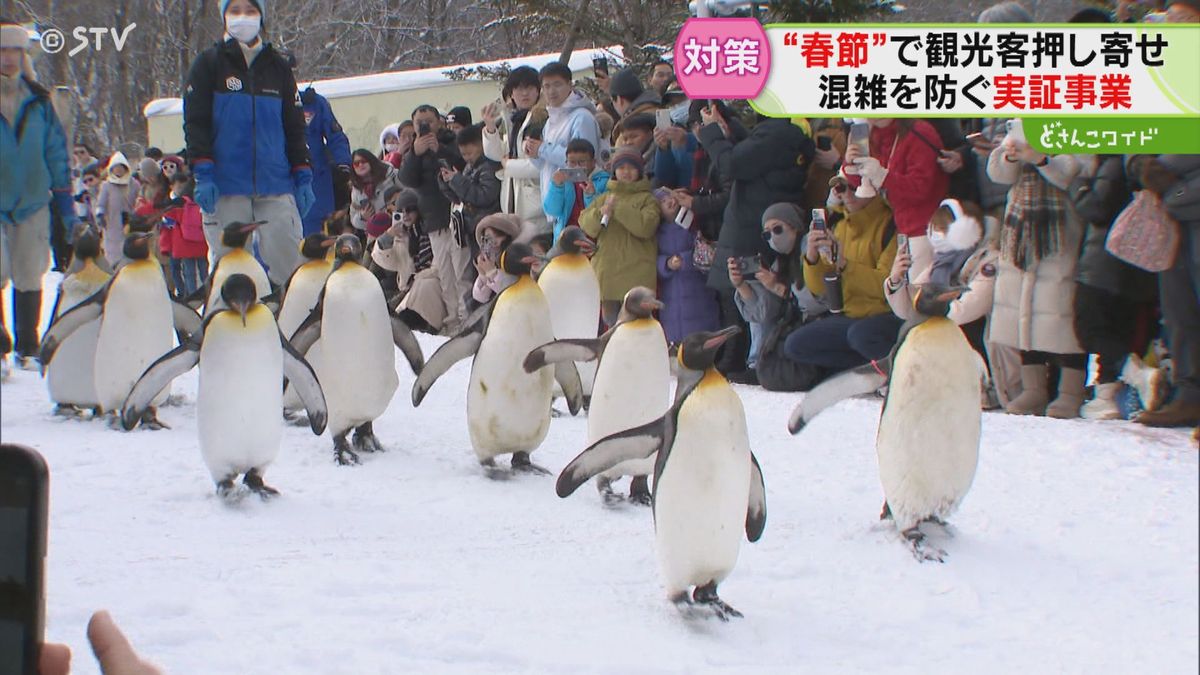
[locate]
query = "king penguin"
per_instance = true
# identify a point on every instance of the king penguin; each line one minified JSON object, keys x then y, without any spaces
{"x":138,"y":324}
{"x":633,"y":382}
{"x":508,"y":409}
{"x":71,"y":381}
{"x":708,"y":487}
{"x":243,"y":360}
{"x":929,"y":429}
{"x":300,"y":295}
{"x":570,"y":286}
{"x":238,"y":260}
{"x":352,"y":322}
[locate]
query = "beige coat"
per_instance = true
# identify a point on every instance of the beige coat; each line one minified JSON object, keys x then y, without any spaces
{"x":520,"y":190}
{"x":978,"y":272}
{"x":1033,"y":309}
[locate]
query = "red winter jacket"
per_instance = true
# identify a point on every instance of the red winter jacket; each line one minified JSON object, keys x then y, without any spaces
{"x":186,"y":238}
{"x":915,"y":184}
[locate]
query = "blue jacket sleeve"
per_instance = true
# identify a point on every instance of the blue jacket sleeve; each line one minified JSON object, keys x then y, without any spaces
{"x":58,"y":160}
{"x":555,"y":202}
{"x":335,"y":137}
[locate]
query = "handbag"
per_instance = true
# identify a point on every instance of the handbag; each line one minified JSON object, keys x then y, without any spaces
{"x":703,"y":253}
{"x":1144,"y":234}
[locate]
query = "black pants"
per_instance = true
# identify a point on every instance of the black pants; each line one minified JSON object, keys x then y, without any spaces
{"x":732,"y":358}
{"x":1105,"y":324}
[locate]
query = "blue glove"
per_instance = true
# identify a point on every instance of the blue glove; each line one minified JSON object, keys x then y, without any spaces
{"x":206,"y":193}
{"x":302,"y":180}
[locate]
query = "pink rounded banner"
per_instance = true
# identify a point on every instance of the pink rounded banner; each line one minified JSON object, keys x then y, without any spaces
{"x":722,"y":58}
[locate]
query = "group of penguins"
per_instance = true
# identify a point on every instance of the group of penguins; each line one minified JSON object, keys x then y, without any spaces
{"x":263,"y":355}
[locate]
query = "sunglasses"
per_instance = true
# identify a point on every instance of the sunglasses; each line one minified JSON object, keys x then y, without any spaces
{"x":774,"y":231}
{"x":360,"y":162}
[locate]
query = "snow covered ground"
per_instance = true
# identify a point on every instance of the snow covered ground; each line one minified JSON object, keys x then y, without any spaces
{"x":1076,"y":550}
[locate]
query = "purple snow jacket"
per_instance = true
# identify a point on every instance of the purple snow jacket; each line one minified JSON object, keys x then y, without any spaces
{"x":689,"y":305}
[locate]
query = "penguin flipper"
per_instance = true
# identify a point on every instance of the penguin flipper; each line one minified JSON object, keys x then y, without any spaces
{"x":637,"y":443}
{"x":160,"y":373}
{"x":304,"y":382}
{"x":78,"y":316}
{"x":567,"y":376}
{"x":309,"y":331}
{"x":563,"y":351}
{"x":756,"y":509}
{"x":187,"y":321}
{"x":198,"y":297}
{"x":403,"y":336}
{"x":481,"y":313}
{"x":451,"y":352}
{"x":853,"y":382}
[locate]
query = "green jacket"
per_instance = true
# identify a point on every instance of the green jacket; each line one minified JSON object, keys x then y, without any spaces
{"x":627,"y":247}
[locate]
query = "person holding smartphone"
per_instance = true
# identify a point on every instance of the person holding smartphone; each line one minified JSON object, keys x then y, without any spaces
{"x":576,"y":187}
{"x":506,"y":123}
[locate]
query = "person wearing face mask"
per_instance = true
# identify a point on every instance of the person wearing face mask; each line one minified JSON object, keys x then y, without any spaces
{"x":243,"y":122}
{"x":494,"y":233}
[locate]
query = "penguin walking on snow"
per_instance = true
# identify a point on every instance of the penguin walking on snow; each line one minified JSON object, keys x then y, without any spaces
{"x":352,"y":321}
{"x":300,"y":295}
{"x":573,"y":292}
{"x":508,"y":409}
{"x":708,"y":486}
{"x":71,"y":380}
{"x":238,"y":260}
{"x":632,"y":385}
{"x":928,"y":440}
{"x":243,"y":359}
{"x":138,"y":324}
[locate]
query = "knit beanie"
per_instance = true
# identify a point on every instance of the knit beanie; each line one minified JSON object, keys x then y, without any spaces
{"x":260,"y":4}
{"x":627,"y":154}
{"x":787,"y":212}
{"x":625,"y":83}
{"x":378,"y":224}
{"x":460,"y":114}
{"x":407,"y":199}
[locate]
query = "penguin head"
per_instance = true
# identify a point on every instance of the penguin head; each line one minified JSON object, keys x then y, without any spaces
{"x":518,"y":259}
{"x":640,"y":303}
{"x":315,"y":246}
{"x":347,"y":248}
{"x":137,"y":245}
{"x":934,"y":300}
{"x":240,"y":294}
{"x":574,"y":240}
{"x":87,"y":243}
{"x":236,"y":234}
{"x":698,"y":351}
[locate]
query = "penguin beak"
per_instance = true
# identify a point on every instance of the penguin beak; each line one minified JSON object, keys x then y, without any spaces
{"x":532,"y":259}
{"x":250,"y":227}
{"x":587,"y":247}
{"x":651,"y":305}
{"x":720,"y":337}
{"x":242,"y":309}
{"x":328,"y":243}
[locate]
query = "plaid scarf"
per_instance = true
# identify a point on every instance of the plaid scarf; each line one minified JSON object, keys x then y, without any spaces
{"x":700,"y":164}
{"x":1033,"y":220}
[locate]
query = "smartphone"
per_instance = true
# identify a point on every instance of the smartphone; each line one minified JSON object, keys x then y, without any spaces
{"x":685,"y":218}
{"x":860,"y":135}
{"x":824,"y":143}
{"x":423,"y":129}
{"x":24,"y":501}
{"x":575,"y":175}
{"x":445,"y":165}
{"x":600,"y":65}
{"x":902,"y":242}
{"x":748,"y":265}
{"x":662,"y":118}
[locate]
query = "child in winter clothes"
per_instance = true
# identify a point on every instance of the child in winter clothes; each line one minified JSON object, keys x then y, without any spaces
{"x":623,"y":221}
{"x":565,"y":202}
{"x":114,"y":205}
{"x":689,"y":305}
{"x":182,"y":238}
{"x":476,"y":187}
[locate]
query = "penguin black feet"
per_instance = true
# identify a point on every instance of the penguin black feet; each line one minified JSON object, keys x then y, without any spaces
{"x":148,"y":420}
{"x":920,"y":550}
{"x":226,"y":489}
{"x":68,"y":411}
{"x":342,"y":454}
{"x":365,"y":440}
{"x":607,"y":495}
{"x":294,"y":418}
{"x":886,"y":513}
{"x":639,"y":491}
{"x":522,"y":464}
{"x":707,"y":595}
{"x":254,"y":481}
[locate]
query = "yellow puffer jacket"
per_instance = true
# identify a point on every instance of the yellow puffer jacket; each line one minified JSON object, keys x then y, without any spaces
{"x":628,"y":248}
{"x":868,"y":261}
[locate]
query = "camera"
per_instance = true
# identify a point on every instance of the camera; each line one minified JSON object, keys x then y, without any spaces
{"x":750,"y":264}
{"x":24,"y":510}
{"x":423,"y":129}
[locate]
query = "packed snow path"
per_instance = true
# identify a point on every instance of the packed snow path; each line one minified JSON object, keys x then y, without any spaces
{"x":1076,"y":550}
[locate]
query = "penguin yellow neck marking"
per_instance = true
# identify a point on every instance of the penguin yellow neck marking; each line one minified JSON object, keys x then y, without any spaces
{"x":522,"y":284}
{"x":256,"y":318}
{"x":237,"y":253}
{"x":91,"y":273}
{"x":934,"y":324}
{"x":712,"y":378}
{"x":640,"y":324}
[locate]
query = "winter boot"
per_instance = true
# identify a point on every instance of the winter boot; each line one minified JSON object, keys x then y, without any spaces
{"x":1070,"y":394}
{"x":1177,"y":413}
{"x":1034,"y":396}
{"x":27,"y":308}
{"x":1104,"y":405}
{"x":1150,"y":383}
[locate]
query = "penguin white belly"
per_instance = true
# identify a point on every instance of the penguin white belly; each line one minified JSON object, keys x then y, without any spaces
{"x":928,"y":442}
{"x":136,"y":328}
{"x":701,"y":496}
{"x":508,"y":410}
{"x":356,"y":326}
{"x":71,"y":375}
{"x":573,"y":294}
{"x":237,"y":261}
{"x":239,"y":397}
{"x":298,"y":303}
{"x":633,"y":387}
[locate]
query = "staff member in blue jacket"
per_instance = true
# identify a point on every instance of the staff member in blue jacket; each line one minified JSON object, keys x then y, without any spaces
{"x":244,"y":127}
{"x":330,"y":150}
{"x":35,"y":175}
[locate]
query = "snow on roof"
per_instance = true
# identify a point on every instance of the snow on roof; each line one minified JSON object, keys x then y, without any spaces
{"x":406,"y":79}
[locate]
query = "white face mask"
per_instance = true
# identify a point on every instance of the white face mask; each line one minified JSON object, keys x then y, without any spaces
{"x":244,"y":29}
{"x":391,"y":147}
{"x":939,"y":242}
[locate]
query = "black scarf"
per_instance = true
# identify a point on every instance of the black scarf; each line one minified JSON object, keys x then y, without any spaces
{"x":518,"y":118}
